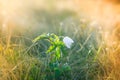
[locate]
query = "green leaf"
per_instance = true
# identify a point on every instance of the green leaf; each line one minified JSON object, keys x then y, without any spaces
{"x":58,"y":52}
{"x":51,"y":48}
{"x":43,"y":36}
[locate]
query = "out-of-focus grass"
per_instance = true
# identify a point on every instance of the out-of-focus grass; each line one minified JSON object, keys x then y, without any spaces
{"x":109,"y":59}
{"x":15,"y":65}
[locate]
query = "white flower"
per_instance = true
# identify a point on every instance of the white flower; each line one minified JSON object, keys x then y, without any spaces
{"x":68,"y":42}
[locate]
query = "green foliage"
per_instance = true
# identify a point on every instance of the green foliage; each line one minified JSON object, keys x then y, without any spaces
{"x":56,"y":69}
{"x":54,"y":50}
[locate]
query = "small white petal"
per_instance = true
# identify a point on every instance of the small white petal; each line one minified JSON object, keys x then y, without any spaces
{"x":68,"y":42}
{"x":48,"y":34}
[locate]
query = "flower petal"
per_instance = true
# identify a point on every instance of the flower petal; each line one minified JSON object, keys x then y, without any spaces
{"x":68,"y":41}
